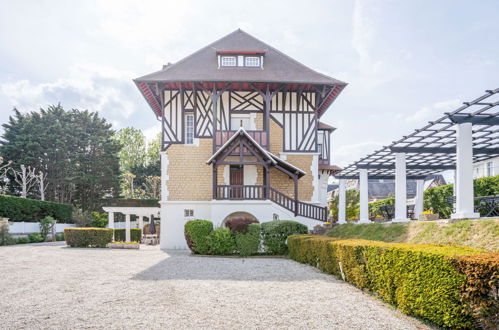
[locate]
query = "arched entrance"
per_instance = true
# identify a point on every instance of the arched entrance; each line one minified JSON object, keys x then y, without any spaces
{"x":239,"y":214}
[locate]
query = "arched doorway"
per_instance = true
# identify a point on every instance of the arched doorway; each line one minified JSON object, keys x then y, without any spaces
{"x":239,"y":214}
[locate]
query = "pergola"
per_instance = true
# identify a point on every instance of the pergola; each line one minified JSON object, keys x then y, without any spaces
{"x":453,"y":142}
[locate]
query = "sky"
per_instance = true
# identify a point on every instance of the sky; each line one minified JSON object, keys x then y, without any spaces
{"x":405,"y":62}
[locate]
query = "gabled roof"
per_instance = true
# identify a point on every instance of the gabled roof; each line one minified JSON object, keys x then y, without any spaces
{"x":273,"y":159}
{"x":203,"y":65}
{"x":326,"y":127}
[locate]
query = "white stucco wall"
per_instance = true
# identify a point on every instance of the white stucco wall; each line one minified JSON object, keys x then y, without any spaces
{"x":173,"y":220}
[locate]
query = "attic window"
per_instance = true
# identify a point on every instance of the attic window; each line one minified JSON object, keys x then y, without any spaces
{"x":252,"y":61}
{"x":228,"y":61}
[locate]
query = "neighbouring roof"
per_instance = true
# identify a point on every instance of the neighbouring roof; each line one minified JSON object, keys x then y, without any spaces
{"x":203,"y":65}
{"x":384,"y":189}
{"x":266,"y":154}
{"x":332,"y":168}
{"x":326,"y":126}
{"x":331,"y":187}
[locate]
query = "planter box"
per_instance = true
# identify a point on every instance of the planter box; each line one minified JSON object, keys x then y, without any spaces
{"x":428,"y":217}
{"x":123,"y":245}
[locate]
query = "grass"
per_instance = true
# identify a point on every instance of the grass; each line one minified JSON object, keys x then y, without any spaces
{"x":482,"y":234}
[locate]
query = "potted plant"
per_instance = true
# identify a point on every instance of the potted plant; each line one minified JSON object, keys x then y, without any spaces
{"x":428,"y":215}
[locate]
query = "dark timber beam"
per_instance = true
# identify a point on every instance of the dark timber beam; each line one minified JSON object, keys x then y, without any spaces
{"x":384,"y":177}
{"x":409,"y":167}
{"x":443,"y":150}
{"x":475,"y":119}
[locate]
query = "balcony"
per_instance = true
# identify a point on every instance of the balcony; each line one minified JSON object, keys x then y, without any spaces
{"x":221,"y":137}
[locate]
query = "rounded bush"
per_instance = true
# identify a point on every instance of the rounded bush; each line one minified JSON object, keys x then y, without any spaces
{"x":196,"y":234}
{"x":239,"y":225}
{"x":248,"y":243}
{"x":275,"y":234}
{"x":221,"y":242}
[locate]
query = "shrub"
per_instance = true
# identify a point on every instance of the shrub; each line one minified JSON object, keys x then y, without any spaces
{"x":196,"y":234}
{"x":59,"y":236}
{"x":275,"y":234}
{"x":248,"y":243}
{"x":35,"y":238}
{"x":99,"y":219}
{"x":135,"y":234}
{"x":88,"y":237}
{"x":82,"y":218}
{"x":45,"y":226}
{"x":22,"y":240}
{"x":31,"y":210}
{"x":5,"y":237}
{"x":221,"y":242}
{"x":374,"y":207}
{"x":427,"y":281}
{"x":239,"y":225}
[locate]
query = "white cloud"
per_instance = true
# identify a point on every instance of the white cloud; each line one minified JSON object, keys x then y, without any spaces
{"x":363,"y":38}
{"x":434,"y":111}
{"x":344,"y":154}
{"x":87,"y":86}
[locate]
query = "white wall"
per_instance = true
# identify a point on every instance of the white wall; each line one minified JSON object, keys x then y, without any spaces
{"x":480,"y":168}
{"x":173,"y":220}
{"x":25,"y":228}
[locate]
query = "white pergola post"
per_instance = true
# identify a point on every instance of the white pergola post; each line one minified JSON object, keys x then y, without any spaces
{"x":127,"y":228}
{"x":418,"y":207}
{"x":141,"y":222}
{"x":364,"y":196}
{"x":110,"y":222}
{"x":400,"y":188}
{"x":342,"y":202}
{"x":464,"y":173}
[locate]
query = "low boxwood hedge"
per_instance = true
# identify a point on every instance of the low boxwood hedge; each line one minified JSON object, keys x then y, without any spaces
{"x":452,"y":286}
{"x":88,"y":237}
{"x":135,"y":234}
{"x":31,"y":210}
{"x":248,"y":243}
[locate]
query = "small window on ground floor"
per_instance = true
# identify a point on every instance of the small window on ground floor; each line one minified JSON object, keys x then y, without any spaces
{"x":188,"y":213}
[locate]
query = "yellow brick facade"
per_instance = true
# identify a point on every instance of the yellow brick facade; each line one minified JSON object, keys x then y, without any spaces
{"x":190,"y":178}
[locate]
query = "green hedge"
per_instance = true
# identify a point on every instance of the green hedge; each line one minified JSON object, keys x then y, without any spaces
{"x":429,"y":281}
{"x":275,"y":234}
{"x":374,"y":206}
{"x":248,"y":243}
{"x":135,"y":234}
{"x":221,"y":242}
{"x":196,"y":234}
{"x":31,"y":210}
{"x":88,"y":237}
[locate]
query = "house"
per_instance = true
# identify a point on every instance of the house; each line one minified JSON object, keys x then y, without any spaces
{"x":489,"y":167}
{"x":242,"y":136}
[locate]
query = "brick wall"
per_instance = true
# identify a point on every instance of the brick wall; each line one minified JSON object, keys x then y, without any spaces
{"x":190,"y":178}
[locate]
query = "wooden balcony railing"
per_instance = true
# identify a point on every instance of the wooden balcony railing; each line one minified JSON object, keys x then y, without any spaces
{"x":259,"y":136}
{"x":239,"y":192}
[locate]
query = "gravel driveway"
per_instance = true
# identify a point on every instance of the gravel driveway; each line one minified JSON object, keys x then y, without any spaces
{"x":52,"y":286}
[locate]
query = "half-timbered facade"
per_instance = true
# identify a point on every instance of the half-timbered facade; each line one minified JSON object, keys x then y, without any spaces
{"x":241,"y":135}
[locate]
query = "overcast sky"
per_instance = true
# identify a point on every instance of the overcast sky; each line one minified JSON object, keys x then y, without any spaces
{"x":406,"y":62}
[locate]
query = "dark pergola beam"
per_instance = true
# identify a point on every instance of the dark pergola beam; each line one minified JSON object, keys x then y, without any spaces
{"x":409,"y":167}
{"x":489,"y":120}
{"x":443,"y":150}
{"x":384,"y":177}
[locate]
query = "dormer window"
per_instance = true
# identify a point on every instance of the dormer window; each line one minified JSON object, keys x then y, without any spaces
{"x":252,"y":61}
{"x":229,"y":61}
{"x":249,"y":59}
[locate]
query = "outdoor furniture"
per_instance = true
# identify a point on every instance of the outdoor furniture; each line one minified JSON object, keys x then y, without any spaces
{"x":487,"y":206}
{"x":410,"y":211}
{"x":388,"y":211}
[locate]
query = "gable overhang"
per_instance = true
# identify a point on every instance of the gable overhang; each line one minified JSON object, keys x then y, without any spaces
{"x":151,"y":89}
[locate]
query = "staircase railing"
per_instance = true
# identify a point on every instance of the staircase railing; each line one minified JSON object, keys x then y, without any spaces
{"x":303,"y":209}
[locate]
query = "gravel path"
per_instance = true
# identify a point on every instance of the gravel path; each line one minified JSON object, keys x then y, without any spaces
{"x":52,"y":286}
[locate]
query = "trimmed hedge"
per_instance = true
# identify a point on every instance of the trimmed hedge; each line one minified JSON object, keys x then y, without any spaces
{"x":452,"y":286}
{"x":221,"y":242}
{"x":196,"y":234}
{"x":135,"y":234}
{"x":32,"y":210}
{"x":88,"y":237}
{"x":275,"y":234}
{"x":374,"y":207}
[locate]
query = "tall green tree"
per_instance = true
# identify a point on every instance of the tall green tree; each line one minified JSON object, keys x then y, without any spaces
{"x":74,"y":148}
{"x":133,"y":148}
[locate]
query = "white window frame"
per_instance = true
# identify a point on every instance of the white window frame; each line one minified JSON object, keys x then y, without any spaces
{"x":189,"y":130}
{"x":247,"y":61}
{"x":228,"y":61}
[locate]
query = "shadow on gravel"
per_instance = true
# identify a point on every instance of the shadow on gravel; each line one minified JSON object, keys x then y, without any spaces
{"x":183,"y":266}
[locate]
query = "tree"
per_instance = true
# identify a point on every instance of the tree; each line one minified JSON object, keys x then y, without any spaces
{"x":74,"y":149}
{"x":133,"y":148}
{"x":352,"y":205}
